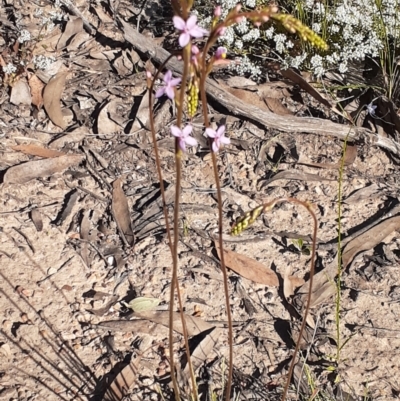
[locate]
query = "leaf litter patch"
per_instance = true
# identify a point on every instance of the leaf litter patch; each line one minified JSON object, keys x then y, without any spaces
{"x":81,"y":211}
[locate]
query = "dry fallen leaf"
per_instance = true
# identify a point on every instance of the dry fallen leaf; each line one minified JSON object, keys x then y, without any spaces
{"x":299,"y":80}
{"x":249,"y":268}
{"x":20,"y":93}
{"x":202,"y":352}
{"x":295,"y":175}
{"x":290,"y":283}
{"x":74,"y":25}
{"x":276,"y":106}
{"x":105,"y":125}
{"x":123,"y":381}
{"x":36,"y":86}
{"x":194,"y":324}
{"x":369,"y":239}
{"x":52,"y":98}
{"x":35,"y":150}
{"x":36,"y":217}
{"x":25,"y":172}
{"x":121,"y":213}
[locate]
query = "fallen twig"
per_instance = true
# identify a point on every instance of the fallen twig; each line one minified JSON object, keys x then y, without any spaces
{"x":266,"y":119}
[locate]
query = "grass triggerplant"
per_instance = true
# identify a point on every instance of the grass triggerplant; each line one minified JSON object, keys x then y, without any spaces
{"x":186,"y":92}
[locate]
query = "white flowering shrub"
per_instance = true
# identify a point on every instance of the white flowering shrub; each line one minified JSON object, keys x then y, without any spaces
{"x":353,"y":29}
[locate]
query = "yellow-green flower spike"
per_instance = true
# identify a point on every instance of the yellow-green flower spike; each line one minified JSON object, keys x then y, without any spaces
{"x":192,"y":99}
{"x":249,"y":218}
{"x":293,"y":25}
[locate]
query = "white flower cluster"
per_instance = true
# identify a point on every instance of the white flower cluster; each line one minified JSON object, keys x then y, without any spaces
{"x":24,"y":36}
{"x":42,"y":62}
{"x":353,"y":29}
{"x":9,"y":68}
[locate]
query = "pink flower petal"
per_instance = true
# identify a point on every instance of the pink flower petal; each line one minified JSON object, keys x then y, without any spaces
{"x":210,"y":133}
{"x":225,"y":140}
{"x":198,"y":32}
{"x":191,"y":22}
{"x":191,"y":141}
{"x":160,"y":92}
{"x":221,"y":130}
{"x":169,"y":91}
{"x":168,"y":76}
{"x":179,"y":23}
{"x":175,"y":81}
{"x":175,"y":131}
{"x":182,"y":145}
{"x":187,"y":131}
{"x":184,"y":39}
{"x":215,"y":147}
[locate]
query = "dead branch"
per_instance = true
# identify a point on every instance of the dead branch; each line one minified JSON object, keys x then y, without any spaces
{"x":264,"y":118}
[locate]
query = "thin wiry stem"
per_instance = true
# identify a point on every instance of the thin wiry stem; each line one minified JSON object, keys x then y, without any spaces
{"x":167,"y":226}
{"x":220,"y":230}
{"x":242,"y":223}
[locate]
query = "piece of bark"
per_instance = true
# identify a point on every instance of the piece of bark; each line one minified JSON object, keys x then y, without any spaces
{"x":264,"y":118}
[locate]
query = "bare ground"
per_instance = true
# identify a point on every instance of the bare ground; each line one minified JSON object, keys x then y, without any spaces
{"x":65,"y":266}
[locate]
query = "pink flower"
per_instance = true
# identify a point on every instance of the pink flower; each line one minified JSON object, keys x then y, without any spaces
{"x":189,"y":29}
{"x":183,"y":136}
{"x":218,"y":136}
{"x":220,"y":53}
{"x":170,"y":84}
{"x":217,"y":11}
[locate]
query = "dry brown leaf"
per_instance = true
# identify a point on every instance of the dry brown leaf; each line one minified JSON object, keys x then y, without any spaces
{"x":276,"y":106}
{"x":101,"y":311}
{"x":349,"y":158}
{"x":36,"y":86}
{"x":84,"y":232}
{"x":369,"y":239}
{"x":249,"y":268}
{"x":52,"y":98}
{"x":20,"y":93}
{"x":106,"y":126}
{"x":362,"y":194}
{"x":35,"y":150}
{"x":40,"y":168}
{"x":295,"y":175}
{"x":202,"y":352}
{"x":290,"y":283}
{"x":36,"y":217}
{"x":74,"y":26}
{"x":123,"y":381}
{"x":194,"y":324}
{"x":121,"y":212}
{"x":299,"y":80}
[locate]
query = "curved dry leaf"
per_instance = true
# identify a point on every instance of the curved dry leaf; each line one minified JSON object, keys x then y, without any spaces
{"x":121,"y":212}
{"x":299,"y":80}
{"x":36,"y":217}
{"x":36,"y":86}
{"x":74,"y":26}
{"x":202,"y":352}
{"x":35,"y":150}
{"x":369,"y":239}
{"x":276,"y":106}
{"x":194,"y":325}
{"x":52,"y":97}
{"x":295,"y":175}
{"x":249,"y":268}
{"x":20,"y":93}
{"x":39,"y":168}
{"x":123,"y":381}
{"x":105,"y":125}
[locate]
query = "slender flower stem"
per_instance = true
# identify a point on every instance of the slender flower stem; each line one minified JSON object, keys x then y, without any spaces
{"x":220,"y":227}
